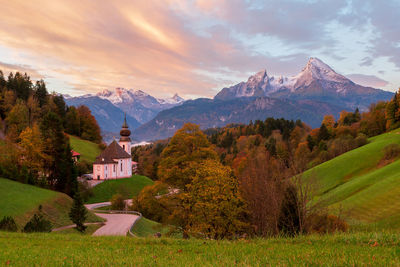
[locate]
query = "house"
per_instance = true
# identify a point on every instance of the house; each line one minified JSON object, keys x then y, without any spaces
{"x":115,"y":161}
{"x":75,"y":156}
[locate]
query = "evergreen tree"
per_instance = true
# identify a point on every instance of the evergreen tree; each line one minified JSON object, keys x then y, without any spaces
{"x":40,"y":93}
{"x":78,"y":213}
{"x":323,"y":133}
{"x":60,"y":169}
{"x":38,"y":223}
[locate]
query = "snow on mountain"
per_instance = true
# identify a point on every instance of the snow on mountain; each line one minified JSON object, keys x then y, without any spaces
{"x":317,"y":81}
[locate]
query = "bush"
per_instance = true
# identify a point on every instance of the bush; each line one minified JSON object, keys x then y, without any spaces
{"x":38,"y":223}
{"x":361,"y":140}
{"x":391,"y":152}
{"x":326,"y":224}
{"x":8,"y":224}
{"x":117,"y":202}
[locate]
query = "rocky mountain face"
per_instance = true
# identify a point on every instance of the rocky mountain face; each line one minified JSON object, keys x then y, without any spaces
{"x":317,"y":81}
{"x":108,"y":107}
{"x":316,"y":91}
{"x":138,"y":104}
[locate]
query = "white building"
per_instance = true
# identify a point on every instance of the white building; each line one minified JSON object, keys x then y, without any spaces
{"x":115,"y":161}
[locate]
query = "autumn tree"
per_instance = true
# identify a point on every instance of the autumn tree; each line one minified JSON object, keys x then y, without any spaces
{"x":32,"y":147}
{"x":213,"y":202}
{"x":186,"y":150}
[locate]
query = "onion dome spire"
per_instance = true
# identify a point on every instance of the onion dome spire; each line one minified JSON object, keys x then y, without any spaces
{"x":125,"y":132}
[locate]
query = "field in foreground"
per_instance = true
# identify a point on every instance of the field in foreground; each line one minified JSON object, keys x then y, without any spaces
{"x":76,"y":250}
{"x":88,"y":150}
{"x":357,"y":186}
{"x":22,"y":200}
{"x":128,"y":187}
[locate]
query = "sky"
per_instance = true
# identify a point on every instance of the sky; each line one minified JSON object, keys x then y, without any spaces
{"x":195,"y":47}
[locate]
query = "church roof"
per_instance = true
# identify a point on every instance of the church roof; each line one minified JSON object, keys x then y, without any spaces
{"x":112,"y":152}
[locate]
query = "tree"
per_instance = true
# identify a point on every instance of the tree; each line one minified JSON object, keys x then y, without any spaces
{"x":40,"y":93}
{"x":32,"y":148}
{"x":213,"y":202}
{"x":89,"y":129}
{"x":8,"y":224}
{"x":78,"y":213}
{"x":117,"y":202}
{"x":186,"y":150}
{"x":38,"y":223}
{"x":60,"y":168}
{"x":72,"y":125}
{"x":17,"y":120}
{"x":323,"y":133}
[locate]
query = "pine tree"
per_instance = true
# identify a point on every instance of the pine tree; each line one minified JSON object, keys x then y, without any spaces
{"x":78,"y":213}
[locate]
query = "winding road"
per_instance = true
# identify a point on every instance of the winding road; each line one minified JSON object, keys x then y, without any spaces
{"x":116,"y":224}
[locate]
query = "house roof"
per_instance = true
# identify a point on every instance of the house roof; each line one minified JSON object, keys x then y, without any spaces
{"x":74,"y":153}
{"x":111,"y":153}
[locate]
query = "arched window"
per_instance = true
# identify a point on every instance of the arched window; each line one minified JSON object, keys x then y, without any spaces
{"x":121,"y":165}
{"x":123,"y":146}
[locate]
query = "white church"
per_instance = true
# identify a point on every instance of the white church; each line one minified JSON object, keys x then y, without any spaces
{"x":115,"y":161}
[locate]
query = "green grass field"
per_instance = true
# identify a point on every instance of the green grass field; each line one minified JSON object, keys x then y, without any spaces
{"x":368,"y":249}
{"x":21,"y":202}
{"x":88,"y":150}
{"x":128,"y":187}
{"x":147,"y":228}
{"x":354,"y":185}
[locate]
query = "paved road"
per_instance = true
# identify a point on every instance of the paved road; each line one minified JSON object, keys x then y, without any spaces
{"x":116,"y":224}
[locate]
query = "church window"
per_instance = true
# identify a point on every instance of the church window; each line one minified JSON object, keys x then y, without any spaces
{"x":123,"y":146}
{"x":121,"y":165}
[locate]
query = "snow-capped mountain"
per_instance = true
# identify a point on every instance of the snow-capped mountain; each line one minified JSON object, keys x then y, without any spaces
{"x":317,"y":81}
{"x":136,"y":103}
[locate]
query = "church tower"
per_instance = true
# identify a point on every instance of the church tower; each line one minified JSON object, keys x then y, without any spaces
{"x":125,"y":140}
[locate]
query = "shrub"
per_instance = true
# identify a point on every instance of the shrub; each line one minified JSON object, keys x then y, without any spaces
{"x":8,"y":224}
{"x":361,"y":140}
{"x":38,"y":223}
{"x":326,"y":224}
{"x":117,"y":202}
{"x":391,"y":151}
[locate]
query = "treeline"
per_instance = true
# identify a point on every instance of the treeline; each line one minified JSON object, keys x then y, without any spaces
{"x":35,"y":149}
{"x":261,"y":163}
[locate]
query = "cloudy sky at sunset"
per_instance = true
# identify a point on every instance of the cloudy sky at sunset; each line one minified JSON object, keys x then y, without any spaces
{"x":195,"y":47}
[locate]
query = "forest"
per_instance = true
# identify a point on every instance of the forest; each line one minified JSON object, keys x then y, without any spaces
{"x":35,"y":125}
{"x":246,"y":179}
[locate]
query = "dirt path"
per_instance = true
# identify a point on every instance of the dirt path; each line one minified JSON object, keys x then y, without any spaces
{"x":116,"y":224}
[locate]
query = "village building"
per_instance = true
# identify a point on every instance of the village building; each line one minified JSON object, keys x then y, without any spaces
{"x":115,"y":161}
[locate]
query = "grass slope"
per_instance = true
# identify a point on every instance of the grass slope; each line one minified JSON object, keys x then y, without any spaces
{"x":147,"y":228}
{"x":128,"y":187}
{"x":368,"y":249}
{"x":88,"y":150}
{"x":356,"y":186}
{"x":21,"y":202}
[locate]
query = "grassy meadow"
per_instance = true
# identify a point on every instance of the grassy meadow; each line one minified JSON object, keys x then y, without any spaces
{"x":359,"y":188}
{"x":21,"y":201}
{"x":371,"y":249}
{"x":128,"y":187}
{"x":88,"y":150}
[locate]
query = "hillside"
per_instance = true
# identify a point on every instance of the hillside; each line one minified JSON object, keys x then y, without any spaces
{"x":128,"y":187}
{"x":355,"y":185}
{"x":21,"y":201}
{"x":88,"y":150}
{"x":370,"y":249}
{"x":210,"y":113}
